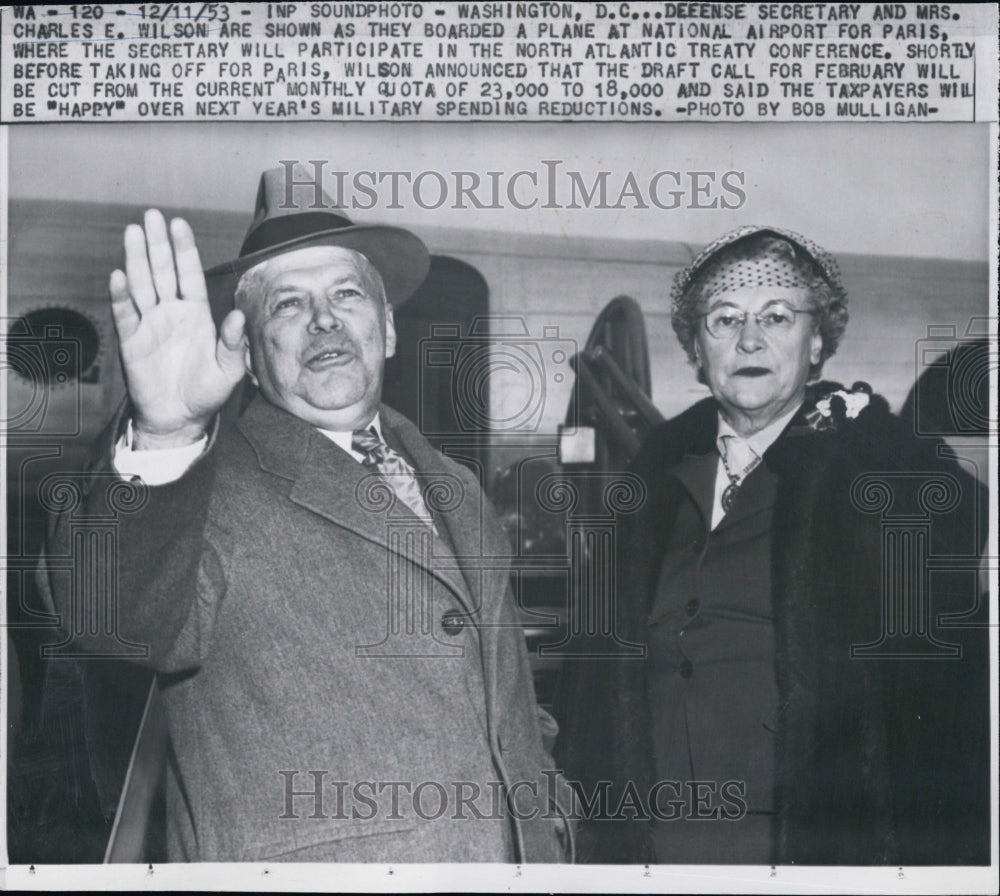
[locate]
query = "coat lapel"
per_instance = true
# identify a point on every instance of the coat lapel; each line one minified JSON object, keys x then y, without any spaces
{"x":696,"y":472}
{"x":756,"y":495}
{"x":457,"y":513}
{"x":759,"y":490}
{"x":481,"y":556}
{"x":329,"y":482}
{"x":696,"y":458}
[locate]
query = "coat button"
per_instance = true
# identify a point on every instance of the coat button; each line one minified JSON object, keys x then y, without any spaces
{"x":691,"y":607}
{"x":686,"y":669}
{"x":453,"y":622}
{"x":698,"y":545}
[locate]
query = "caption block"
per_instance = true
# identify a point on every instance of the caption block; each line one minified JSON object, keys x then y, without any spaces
{"x":511,"y":61}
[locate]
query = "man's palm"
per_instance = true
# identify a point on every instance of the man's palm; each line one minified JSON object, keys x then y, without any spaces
{"x":178,"y":372}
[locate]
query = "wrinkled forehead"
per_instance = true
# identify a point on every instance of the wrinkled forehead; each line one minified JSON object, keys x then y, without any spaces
{"x":313,"y":261}
{"x":757,"y":297}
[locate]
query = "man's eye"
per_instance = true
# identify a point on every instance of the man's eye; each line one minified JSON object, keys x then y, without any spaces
{"x":348,"y":292}
{"x":290,"y":303}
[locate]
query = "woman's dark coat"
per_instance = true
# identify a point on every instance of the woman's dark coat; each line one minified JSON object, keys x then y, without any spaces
{"x":880,"y":761}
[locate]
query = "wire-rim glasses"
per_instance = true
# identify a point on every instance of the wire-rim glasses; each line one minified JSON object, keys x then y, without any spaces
{"x":727,"y":321}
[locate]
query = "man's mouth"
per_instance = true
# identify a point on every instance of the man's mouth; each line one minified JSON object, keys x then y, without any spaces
{"x":329,"y":357}
{"x":753,"y":371}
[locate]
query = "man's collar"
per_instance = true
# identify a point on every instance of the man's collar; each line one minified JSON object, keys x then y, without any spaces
{"x":343,"y":439}
{"x":282,"y":441}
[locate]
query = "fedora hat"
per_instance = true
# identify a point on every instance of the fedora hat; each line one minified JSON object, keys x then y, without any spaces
{"x":281,"y":226}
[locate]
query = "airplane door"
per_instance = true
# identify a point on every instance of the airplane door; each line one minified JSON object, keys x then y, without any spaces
{"x":436,"y":316}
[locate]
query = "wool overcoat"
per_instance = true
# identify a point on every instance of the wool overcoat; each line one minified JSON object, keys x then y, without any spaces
{"x":339,"y":683}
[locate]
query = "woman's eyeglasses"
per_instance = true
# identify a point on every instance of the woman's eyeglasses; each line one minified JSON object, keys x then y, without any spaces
{"x":727,"y":321}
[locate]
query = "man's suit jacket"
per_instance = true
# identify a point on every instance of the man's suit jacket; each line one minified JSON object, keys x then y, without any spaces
{"x":336,"y":679}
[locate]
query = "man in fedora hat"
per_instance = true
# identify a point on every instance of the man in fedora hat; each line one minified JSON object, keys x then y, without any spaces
{"x":337,"y":650}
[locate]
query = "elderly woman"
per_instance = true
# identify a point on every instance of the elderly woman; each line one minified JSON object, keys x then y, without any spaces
{"x":771,"y":719}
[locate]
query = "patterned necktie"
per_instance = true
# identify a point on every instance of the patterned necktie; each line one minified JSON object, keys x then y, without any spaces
{"x":394,"y":469}
{"x":738,"y":460}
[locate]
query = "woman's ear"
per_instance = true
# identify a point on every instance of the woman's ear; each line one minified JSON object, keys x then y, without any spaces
{"x":815,"y":348}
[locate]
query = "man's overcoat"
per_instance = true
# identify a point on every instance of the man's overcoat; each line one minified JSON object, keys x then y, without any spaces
{"x":339,"y":683}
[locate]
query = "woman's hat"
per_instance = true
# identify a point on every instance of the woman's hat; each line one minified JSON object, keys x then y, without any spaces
{"x":728,"y":245}
{"x":280,"y":225}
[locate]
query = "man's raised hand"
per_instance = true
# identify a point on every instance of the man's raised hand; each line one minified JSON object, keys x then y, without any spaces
{"x":178,"y":371}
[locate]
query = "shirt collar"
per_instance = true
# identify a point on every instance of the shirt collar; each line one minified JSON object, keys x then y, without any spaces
{"x":763,"y":439}
{"x":343,"y":439}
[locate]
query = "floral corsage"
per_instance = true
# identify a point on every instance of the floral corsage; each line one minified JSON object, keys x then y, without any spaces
{"x":836,"y":407}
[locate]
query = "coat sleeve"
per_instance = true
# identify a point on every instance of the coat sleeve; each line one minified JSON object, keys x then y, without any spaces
{"x":895,"y":650}
{"x":128,"y":568}
{"x":937,"y":701}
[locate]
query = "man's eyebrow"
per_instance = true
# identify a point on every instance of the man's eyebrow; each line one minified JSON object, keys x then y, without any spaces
{"x":353,"y":280}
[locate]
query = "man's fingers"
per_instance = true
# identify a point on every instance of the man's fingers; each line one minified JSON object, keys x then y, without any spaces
{"x":161,"y":256}
{"x":140,"y":280}
{"x":123,"y":311}
{"x":190,"y":276}
{"x":231,"y":348}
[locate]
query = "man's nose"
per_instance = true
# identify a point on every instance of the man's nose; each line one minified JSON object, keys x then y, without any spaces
{"x":751,"y":335}
{"x":323,"y":318}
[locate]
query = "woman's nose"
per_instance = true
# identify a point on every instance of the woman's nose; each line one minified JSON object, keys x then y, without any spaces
{"x":750,"y":335}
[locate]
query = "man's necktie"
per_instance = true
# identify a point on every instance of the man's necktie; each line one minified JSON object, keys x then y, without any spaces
{"x":738,"y":460}
{"x":394,"y":469}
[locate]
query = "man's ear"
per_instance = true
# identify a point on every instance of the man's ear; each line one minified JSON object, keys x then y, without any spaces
{"x":390,"y":332}
{"x":248,"y":361}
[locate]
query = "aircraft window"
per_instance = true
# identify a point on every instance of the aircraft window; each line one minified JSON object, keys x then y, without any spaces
{"x":54,"y":346}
